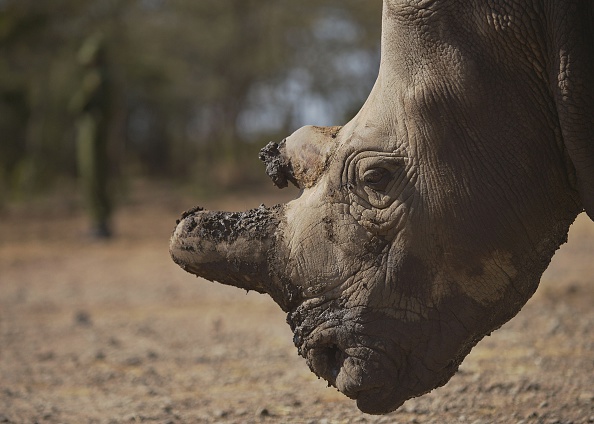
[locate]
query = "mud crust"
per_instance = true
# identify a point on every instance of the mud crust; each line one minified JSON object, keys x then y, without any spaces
{"x":278,"y":168}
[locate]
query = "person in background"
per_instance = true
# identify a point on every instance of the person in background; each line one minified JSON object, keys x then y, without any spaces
{"x":91,"y":105}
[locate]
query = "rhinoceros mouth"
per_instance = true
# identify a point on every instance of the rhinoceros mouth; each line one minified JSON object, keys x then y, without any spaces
{"x":361,"y":373}
{"x":368,"y":381}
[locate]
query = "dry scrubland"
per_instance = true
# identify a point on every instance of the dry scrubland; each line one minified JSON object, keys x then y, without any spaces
{"x":115,"y":333}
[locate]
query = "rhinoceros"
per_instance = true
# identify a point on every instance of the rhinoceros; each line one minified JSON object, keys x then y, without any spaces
{"x":425,"y":222}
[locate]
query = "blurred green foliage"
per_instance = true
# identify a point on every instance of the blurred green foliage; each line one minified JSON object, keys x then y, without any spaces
{"x":199,"y":85}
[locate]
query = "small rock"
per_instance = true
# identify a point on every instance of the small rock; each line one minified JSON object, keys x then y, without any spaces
{"x":83,"y":318}
{"x":264,"y":412}
{"x":46,"y":356}
{"x":543,"y":404}
{"x":532,"y":387}
{"x":572,"y":289}
{"x":410,"y":406}
{"x":133,"y":361}
{"x":4,"y":419}
{"x":114,"y":342}
{"x":221,"y":414}
{"x":100,"y":355}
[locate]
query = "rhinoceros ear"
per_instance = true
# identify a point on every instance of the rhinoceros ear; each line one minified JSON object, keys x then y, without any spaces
{"x":573,"y":81}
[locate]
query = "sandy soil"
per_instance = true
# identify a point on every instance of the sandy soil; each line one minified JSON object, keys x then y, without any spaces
{"x":115,"y":332}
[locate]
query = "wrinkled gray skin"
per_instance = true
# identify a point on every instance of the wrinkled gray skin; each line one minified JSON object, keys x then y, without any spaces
{"x":426,"y":221}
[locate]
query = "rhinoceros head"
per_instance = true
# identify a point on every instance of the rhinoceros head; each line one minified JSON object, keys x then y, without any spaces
{"x":425,"y":222}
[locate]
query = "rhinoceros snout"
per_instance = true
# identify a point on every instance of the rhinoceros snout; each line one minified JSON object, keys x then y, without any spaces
{"x":234,"y":248}
{"x":358,"y":373}
{"x":228,"y":247}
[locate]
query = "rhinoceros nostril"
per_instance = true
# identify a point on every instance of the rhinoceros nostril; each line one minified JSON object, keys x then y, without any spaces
{"x":334,"y":358}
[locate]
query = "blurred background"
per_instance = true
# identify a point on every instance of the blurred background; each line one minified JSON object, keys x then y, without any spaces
{"x":170,"y":90}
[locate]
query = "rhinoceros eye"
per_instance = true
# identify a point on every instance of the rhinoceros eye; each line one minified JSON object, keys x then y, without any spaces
{"x":377,"y":178}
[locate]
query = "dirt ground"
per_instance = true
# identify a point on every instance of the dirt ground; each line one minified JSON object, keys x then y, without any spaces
{"x":115,"y":332}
